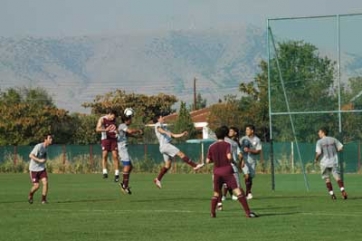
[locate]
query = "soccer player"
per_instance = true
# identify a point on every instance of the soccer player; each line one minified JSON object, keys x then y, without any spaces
{"x":251,"y":148}
{"x":168,"y":150}
{"x":38,"y":158}
{"x":123,"y":132}
{"x":233,"y":139}
{"x":219,"y":153}
{"x":326,"y":150}
{"x":107,"y":126}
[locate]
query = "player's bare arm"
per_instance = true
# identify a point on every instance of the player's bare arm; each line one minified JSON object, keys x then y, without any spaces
{"x":317,"y":155}
{"x":134,"y":132}
{"x":179,"y":135}
{"x":32,"y":156}
{"x":100,"y":127}
{"x":208,"y":160}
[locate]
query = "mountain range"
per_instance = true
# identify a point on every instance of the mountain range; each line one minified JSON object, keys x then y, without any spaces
{"x":76,"y":69}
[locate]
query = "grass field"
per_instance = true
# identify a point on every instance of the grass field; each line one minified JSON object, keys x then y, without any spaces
{"x":85,"y":207}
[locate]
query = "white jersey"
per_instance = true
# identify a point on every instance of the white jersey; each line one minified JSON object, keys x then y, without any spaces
{"x":253,"y":143}
{"x":235,"y":150}
{"x":122,"y":135}
{"x":328,"y":148}
{"x":40,"y":151}
{"x":162,"y":138}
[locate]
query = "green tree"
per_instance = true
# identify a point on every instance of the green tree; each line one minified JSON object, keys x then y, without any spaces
{"x":145,"y":106}
{"x":184,"y":122}
{"x":308,"y":81}
{"x":200,"y":103}
{"x":225,"y":113}
{"x":26,"y":114}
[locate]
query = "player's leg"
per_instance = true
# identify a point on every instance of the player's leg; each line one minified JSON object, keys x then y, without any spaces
{"x":105,"y":150}
{"x":337,"y":177}
{"x":35,"y":186}
{"x":326,"y":172}
{"x":44,"y":180}
{"x":217,"y":184}
{"x":167,"y":159}
{"x":239,"y":193}
{"x":114,"y":148}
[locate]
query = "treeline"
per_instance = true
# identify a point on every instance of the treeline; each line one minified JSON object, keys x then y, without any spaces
{"x":300,"y":80}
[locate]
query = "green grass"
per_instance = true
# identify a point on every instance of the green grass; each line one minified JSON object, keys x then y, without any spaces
{"x":85,"y":207}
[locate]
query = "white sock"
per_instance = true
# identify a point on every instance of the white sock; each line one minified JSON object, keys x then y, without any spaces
{"x":116,"y":172}
{"x":331,"y":192}
{"x":105,"y":171}
{"x":342,"y":189}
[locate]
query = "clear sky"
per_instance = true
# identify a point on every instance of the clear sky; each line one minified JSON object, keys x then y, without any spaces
{"x":93,"y":17}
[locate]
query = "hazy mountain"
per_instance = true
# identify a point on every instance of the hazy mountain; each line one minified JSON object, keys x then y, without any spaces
{"x":75,"y":70}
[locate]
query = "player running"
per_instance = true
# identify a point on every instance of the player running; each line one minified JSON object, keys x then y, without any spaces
{"x":326,"y":149}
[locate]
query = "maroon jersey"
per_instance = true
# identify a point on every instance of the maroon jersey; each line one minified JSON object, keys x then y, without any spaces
{"x":217,"y":153}
{"x":109,"y":134}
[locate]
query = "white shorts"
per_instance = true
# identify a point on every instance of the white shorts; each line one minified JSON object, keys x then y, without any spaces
{"x":123,"y":154}
{"x":326,"y":171}
{"x":168,"y":151}
{"x":249,"y":168}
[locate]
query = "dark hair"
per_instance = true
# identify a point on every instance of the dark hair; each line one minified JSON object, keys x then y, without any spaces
{"x":324,"y":130}
{"x":126,"y":118}
{"x":251,"y":127}
{"x":237,"y":133}
{"x":225,"y":129}
{"x":111,"y":111}
{"x":221,"y":132}
{"x":156,"y":117}
{"x":46,"y":136}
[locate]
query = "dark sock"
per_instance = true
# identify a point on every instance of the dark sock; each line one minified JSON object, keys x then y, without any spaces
{"x":126,"y":179}
{"x":340,"y":184}
{"x":329,"y":186}
{"x":230,"y":192}
{"x":163,"y":171}
{"x":187,"y":160}
{"x":244,"y":203}
{"x":43,"y":198}
{"x":248,"y":185}
{"x":31,"y":194}
{"x":214,"y":201}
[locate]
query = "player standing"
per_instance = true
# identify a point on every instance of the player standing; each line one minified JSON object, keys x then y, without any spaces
{"x":38,"y":158}
{"x":233,"y":139}
{"x":251,"y":148}
{"x":123,"y":132}
{"x":219,"y":153}
{"x":327,"y":148}
{"x":168,"y":150}
{"x":107,"y":126}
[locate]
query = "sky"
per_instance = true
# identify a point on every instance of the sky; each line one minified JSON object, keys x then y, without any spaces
{"x":56,"y":18}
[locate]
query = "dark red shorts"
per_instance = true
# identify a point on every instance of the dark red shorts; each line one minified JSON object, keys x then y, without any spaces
{"x":36,"y":176}
{"x":224,"y":175}
{"x":109,"y":145}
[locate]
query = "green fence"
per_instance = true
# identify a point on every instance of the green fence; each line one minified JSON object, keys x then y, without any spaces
{"x":286,"y":156}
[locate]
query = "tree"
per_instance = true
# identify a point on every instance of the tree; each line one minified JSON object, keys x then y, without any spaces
{"x":27,"y":114}
{"x":225,"y":113}
{"x":145,"y":106}
{"x":308,"y":80}
{"x":200,"y":103}
{"x":184,"y":122}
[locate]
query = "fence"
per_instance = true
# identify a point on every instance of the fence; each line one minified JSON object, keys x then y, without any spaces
{"x":285,"y":159}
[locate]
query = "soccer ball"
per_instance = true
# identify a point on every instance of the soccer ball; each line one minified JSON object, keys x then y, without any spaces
{"x":128,"y":112}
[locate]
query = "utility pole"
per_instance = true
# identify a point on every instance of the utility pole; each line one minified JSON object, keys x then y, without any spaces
{"x":194,"y":93}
